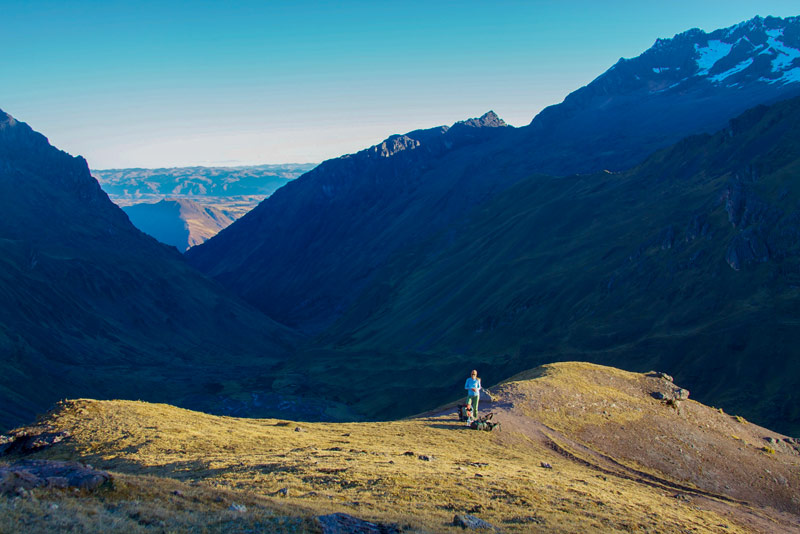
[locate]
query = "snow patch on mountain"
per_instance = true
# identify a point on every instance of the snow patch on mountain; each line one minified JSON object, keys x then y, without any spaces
{"x":785,"y":54}
{"x":738,"y":68}
{"x":709,"y":55}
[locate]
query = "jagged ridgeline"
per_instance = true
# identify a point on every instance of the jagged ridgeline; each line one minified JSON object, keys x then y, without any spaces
{"x":445,"y":249}
{"x":90,"y":306}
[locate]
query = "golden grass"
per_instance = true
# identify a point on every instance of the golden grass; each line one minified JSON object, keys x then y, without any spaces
{"x":286,"y":472}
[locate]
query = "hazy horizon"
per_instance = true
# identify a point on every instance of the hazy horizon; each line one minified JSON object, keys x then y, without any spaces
{"x":205,"y":84}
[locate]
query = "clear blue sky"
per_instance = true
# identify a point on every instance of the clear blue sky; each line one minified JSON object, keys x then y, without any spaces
{"x":179,"y":83}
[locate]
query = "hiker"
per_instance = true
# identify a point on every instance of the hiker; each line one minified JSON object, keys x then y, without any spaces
{"x":473,"y":387}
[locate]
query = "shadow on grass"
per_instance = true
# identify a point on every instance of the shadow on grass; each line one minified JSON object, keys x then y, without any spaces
{"x":454,"y":426}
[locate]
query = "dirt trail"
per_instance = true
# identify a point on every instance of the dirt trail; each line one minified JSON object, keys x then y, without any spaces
{"x":760,"y":520}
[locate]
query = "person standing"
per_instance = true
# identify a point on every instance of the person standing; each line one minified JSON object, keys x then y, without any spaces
{"x":473,"y":387}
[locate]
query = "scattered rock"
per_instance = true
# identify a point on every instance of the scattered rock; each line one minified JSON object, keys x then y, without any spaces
{"x":521,"y":520}
{"x":658,"y":395}
{"x":682,"y":497}
{"x":546,"y":465}
{"x":284,"y":492}
{"x":178,"y":493}
{"x":26,"y":441}
{"x":298,"y":429}
{"x":681,"y":394}
{"x":425,"y":457}
{"x":238,"y":508}
{"x":659,"y":374}
{"x":347,"y":524}
{"x":29,"y":474}
{"x":409,"y":453}
{"x":467,"y":521}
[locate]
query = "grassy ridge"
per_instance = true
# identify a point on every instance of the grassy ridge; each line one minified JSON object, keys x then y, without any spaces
{"x":286,"y":472}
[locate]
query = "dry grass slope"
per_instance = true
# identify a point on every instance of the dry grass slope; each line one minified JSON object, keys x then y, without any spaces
{"x":621,"y":461}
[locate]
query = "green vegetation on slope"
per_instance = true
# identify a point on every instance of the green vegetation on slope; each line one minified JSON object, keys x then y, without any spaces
{"x":688,"y":263}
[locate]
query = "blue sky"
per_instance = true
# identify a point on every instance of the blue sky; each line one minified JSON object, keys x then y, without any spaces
{"x":182,"y":83}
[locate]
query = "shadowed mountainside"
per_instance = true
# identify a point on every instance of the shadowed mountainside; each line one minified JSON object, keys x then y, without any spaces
{"x":581,"y":448}
{"x":93,"y":306}
{"x":436,"y":248}
{"x":689,"y":262}
{"x":304,"y":254}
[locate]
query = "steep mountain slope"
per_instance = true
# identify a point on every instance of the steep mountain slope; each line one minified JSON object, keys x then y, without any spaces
{"x":581,"y":448}
{"x":178,"y":222}
{"x":90,"y":305}
{"x":691,"y":83}
{"x":304,"y":254}
{"x":689,"y":263}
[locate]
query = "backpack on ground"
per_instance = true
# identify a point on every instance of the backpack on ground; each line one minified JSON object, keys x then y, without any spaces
{"x":484,"y":423}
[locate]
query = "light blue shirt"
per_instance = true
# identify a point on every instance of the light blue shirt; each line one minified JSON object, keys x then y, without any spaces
{"x":473,"y":383}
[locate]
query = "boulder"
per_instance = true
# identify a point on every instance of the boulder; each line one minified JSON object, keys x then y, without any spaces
{"x":471,"y":522}
{"x":659,"y":374}
{"x":347,"y":524}
{"x":29,"y":474}
{"x":681,"y":394}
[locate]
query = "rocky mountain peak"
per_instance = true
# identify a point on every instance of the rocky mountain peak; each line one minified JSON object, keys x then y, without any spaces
{"x":761,"y":51}
{"x":24,"y":151}
{"x":487,"y":120}
{"x":756,"y":53}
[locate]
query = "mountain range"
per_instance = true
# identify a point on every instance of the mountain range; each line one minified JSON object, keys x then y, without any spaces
{"x":91,"y":305}
{"x":478,"y":245}
{"x":651,"y":221}
{"x":397,"y":268}
{"x":185,"y":206}
{"x":130,"y":185}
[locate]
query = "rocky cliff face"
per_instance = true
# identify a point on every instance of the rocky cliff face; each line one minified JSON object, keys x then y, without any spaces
{"x":91,"y":306}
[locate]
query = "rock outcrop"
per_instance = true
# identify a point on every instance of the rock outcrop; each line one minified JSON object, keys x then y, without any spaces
{"x":347,"y":524}
{"x":26,"y":475}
